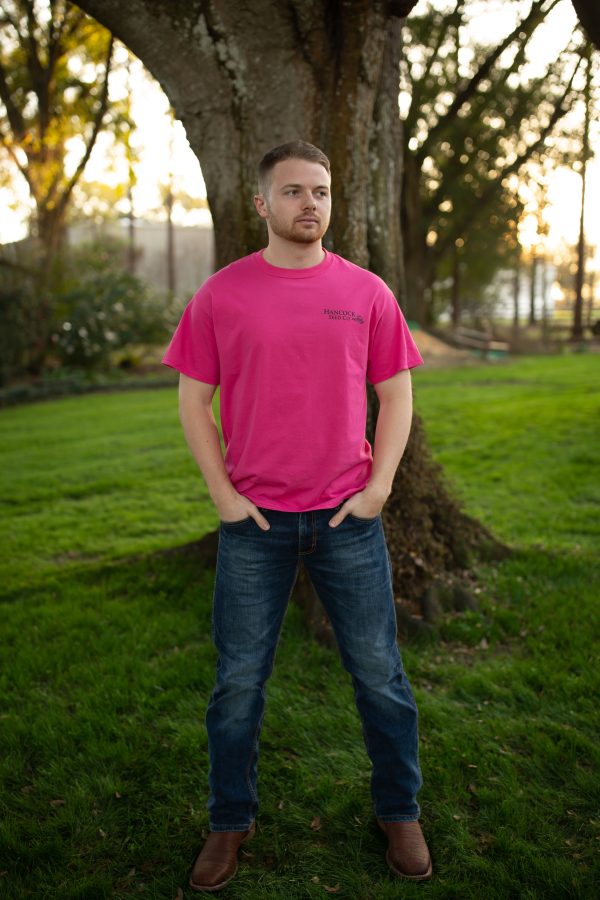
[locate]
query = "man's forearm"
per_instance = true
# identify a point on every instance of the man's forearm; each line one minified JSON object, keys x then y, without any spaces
{"x":391,"y":436}
{"x":202,"y":436}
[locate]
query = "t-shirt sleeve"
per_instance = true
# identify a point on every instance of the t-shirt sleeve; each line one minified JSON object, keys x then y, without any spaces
{"x":391,"y":345}
{"x":193,"y":348}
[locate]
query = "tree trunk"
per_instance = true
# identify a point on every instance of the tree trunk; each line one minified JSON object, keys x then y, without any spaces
{"x":415,"y":246}
{"x":533,"y":286}
{"x":516,"y":294}
{"x":588,"y":12}
{"x":577,"y":328}
{"x":456,"y":305}
{"x":590,"y":303}
{"x":245,"y":77}
{"x":544,"y":293}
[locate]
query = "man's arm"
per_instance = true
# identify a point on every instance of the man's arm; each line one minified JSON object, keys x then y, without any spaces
{"x":202,"y":436}
{"x":391,"y":436}
{"x":392,"y":429}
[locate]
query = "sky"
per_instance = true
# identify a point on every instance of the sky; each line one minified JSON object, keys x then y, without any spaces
{"x":163,"y":147}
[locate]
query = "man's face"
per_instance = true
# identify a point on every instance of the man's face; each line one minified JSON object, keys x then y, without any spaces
{"x":297,"y":207}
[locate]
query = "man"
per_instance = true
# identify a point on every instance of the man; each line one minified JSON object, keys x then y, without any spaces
{"x":291,"y":334}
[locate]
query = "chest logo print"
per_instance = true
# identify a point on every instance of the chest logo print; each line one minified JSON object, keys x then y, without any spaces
{"x":347,"y":315}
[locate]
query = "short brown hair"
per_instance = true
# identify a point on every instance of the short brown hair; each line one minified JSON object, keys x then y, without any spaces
{"x":291,"y":150}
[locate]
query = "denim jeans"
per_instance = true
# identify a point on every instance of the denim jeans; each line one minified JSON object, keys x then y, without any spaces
{"x":350,"y":569}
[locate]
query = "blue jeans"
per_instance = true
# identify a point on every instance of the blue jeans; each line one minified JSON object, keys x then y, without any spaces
{"x":350,"y":569}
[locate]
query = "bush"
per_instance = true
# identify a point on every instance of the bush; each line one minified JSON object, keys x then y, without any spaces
{"x":76,"y":312}
{"x":25,"y":314}
{"x":100,"y":308}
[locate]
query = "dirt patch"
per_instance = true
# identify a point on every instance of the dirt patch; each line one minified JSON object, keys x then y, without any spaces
{"x":436,"y":352}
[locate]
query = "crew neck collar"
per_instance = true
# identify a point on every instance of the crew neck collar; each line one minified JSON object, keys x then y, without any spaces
{"x":282,"y":272}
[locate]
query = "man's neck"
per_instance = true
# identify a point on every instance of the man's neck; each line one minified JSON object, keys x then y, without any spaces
{"x":288,"y":255}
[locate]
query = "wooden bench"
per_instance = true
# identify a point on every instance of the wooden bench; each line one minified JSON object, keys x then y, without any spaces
{"x":479,"y":340}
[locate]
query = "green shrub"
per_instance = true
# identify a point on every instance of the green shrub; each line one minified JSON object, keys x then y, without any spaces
{"x":100,"y":307}
{"x":25,"y":316}
{"x":75,"y":312}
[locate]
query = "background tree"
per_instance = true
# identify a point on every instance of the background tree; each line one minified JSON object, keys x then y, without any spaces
{"x":54,"y":68}
{"x":474,"y":119}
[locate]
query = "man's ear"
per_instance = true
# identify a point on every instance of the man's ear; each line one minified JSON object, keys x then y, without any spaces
{"x":261,"y":206}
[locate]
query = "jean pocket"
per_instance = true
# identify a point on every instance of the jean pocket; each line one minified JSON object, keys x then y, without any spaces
{"x":236,"y":522}
{"x":363,"y":520}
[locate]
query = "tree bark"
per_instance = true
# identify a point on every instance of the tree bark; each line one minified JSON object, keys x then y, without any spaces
{"x":588,"y":12}
{"x":533,"y":285}
{"x":244,"y":77}
{"x":456,"y":300}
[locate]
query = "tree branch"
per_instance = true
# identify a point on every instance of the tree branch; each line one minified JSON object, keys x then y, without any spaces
{"x":14,"y":114}
{"x":525,"y":28}
{"x":62,"y":203}
{"x":418,"y":85}
{"x":441,"y":248}
{"x":10,"y":150}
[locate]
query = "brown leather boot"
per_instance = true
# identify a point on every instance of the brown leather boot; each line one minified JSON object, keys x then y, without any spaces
{"x":217,"y":862}
{"x":407,"y":854}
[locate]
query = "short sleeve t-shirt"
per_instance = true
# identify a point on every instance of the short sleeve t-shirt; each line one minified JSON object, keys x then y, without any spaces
{"x":291,"y":351}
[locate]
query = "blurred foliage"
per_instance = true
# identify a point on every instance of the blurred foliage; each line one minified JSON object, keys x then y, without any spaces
{"x":89,"y":307}
{"x":18,"y":320}
{"x":100,"y":308}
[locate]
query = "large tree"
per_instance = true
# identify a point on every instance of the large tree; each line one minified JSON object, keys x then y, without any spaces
{"x":243,"y":77}
{"x":589,"y":16}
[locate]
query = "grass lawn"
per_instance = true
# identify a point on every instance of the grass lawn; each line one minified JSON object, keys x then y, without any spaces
{"x":107,"y":663}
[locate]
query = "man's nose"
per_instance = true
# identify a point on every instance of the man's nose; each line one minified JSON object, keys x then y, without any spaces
{"x":309,"y":201}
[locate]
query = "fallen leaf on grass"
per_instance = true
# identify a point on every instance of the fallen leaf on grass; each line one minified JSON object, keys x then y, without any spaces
{"x":331,"y":890}
{"x":179,"y":895}
{"x":57,"y":802}
{"x":316,"y":823}
{"x":103,"y":833}
{"x":471,"y":789}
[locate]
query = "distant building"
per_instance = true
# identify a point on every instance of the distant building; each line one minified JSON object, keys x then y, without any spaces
{"x":193,"y":251}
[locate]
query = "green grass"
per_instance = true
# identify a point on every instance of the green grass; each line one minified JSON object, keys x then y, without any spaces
{"x":107,"y":663}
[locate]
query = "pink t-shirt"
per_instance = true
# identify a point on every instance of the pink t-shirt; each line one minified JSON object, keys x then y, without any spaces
{"x":292,"y":350}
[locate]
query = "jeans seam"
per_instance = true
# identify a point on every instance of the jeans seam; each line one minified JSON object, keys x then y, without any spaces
{"x":363,"y":518}
{"x":254,"y":756}
{"x":314,"y":535}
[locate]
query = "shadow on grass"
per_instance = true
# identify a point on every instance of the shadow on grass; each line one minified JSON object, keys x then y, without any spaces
{"x":104,"y":763}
